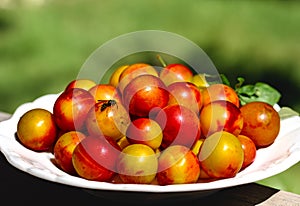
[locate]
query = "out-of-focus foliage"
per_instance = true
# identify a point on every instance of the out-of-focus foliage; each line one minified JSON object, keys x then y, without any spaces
{"x":43,"y":46}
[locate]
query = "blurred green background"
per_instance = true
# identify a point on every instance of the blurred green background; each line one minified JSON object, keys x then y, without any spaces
{"x":44,"y":43}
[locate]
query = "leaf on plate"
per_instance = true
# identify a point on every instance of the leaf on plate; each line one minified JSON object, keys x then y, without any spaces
{"x":287,"y":112}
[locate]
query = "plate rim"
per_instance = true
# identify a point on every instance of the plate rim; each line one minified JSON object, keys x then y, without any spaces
{"x":8,"y":144}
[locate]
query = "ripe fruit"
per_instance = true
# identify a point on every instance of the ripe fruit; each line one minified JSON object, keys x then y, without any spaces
{"x":261,"y":123}
{"x":143,"y":94}
{"x":85,"y":84}
{"x":249,"y":150}
{"x":221,"y":115}
{"x":94,"y":158}
{"x":63,"y":150}
{"x":200,"y":81}
{"x":137,"y":164}
{"x":71,"y":107}
{"x":123,"y":142}
{"x":105,"y":92}
{"x":196,"y":146}
{"x":177,"y":164}
{"x":220,"y":92}
{"x":180,"y":125}
{"x":221,"y":155}
{"x":144,"y":131}
{"x":150,"y":126}
{"x":186,"y":94}
{"x":108,"y":118}
{"x":114,"y":78}
{"x":175,"y":73}
{"x":37,"y":130}
{"x":132,"y":71}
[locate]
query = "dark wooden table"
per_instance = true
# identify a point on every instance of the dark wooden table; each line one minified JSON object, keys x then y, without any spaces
{"x":20,"y":187}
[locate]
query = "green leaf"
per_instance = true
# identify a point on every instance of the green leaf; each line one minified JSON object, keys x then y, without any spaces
{"x":241,"y":80}
{"x":257,"y":92}
{"x":224,"y":79}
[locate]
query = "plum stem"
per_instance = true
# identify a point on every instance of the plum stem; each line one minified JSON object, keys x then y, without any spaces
{"x":163,"y":63}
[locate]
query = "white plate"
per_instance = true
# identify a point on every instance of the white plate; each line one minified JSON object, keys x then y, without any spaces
{"x":281,"y":155}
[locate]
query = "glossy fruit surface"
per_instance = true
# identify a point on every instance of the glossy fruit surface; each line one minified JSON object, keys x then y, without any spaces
{"x":114,"y":78}
{"x":261,"y":123}
{"x":137,"y":164}
{"x":145,"y":131}
{"x":37,"y":130}
{"x":220,"y":92}
{"x":197,"y":145}
{"x":180,"y":125}
{"x":143,"y":94}
{"x":85,"y":84}
{"x":176,"y":73}
{"x":63,"y":150}
{"x":105,"y":92}
{"x":186,"y":94}
{"x":132,"y":71}
{"x":108,"y":118}
{"x":123,"y":142}
{"x":200,"y":81}
{"x":221,"y":155}
{"x":71,"y":107}
{"x":177,"y":164}
{"x":94,"y":158}
{"x":249,"y":150}
{"x":221,"y":115}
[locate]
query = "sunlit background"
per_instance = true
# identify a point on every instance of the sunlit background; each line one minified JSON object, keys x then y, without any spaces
{"x":44,"y":43}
